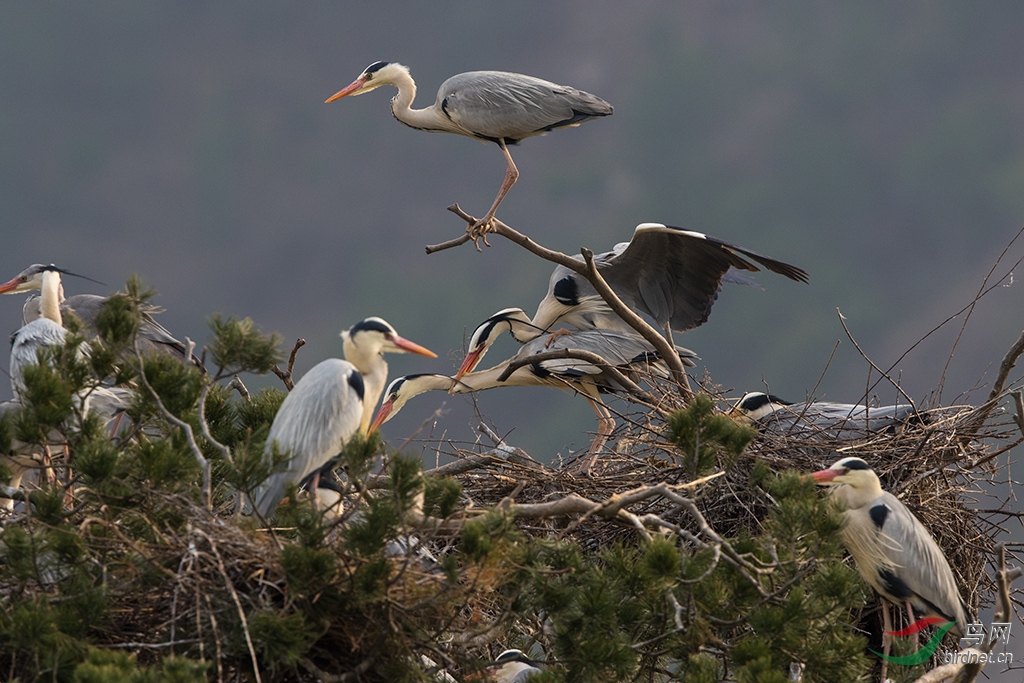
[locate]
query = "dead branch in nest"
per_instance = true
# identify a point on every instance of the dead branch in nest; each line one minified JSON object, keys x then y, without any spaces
{"x":286,"y":375}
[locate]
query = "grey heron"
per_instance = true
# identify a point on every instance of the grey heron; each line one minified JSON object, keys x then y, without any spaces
{"x":668,"y":273}
{"x":331,"y":402}
{"x":45,"y":331}
{"x":893,"y":551}
{"x":152,"y":336}
{"x":821,"y":419}
{"x":495,"y":106}
{"x":512,"y":666}
{"x":673,"y":275}
{"x":627,"y":351}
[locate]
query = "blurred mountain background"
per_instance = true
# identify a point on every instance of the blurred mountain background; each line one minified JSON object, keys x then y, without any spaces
{"x":878,"y":145}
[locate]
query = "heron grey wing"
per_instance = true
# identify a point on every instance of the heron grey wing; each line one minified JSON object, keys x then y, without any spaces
{"x":614,"y":346}
{"x":36,"y":335}
{"x":848,"y":420}
{"x":107,"y":402}
{"x":921,"y":563}
{"x":673,"y":275}
{"x":498,"y":104}
{"x":316,"y":418}
{"x":30,"y":311}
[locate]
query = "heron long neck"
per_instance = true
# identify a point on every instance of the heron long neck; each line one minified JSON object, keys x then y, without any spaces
{"x":374,"y":369}
{"x":429,"y":118}
{"x":49,"y":301}
{"x":488,"y":379}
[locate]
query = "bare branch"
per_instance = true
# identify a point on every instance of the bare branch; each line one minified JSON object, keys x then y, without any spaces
{"x":286,"y":375}
{"x":204,"y":464}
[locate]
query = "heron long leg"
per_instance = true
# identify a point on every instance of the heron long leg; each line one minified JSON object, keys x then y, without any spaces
{"x":886,"y":638}
{"x":910,"y":620}
{"x":483,"y":226}
{"x":605,"y":427}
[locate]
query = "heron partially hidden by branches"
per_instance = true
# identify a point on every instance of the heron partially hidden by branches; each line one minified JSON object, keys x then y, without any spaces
{"x":894,"y":552}
{"x":331,"y":402}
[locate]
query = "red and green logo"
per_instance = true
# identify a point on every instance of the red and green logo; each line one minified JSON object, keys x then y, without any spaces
{"x":923,"y":654}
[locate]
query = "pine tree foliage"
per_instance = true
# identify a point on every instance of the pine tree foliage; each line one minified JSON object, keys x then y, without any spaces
{"x":119,"y":567}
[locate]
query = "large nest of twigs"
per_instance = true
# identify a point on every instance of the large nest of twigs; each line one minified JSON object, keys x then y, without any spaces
{"x":939,"y":463}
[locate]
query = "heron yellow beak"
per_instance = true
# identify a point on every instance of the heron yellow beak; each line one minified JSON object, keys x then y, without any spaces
{"x":347,"y":90}
{"x":411,"y":347}
{"x":10,"y":286}
{"x":824,"y":476}
{"x":469,"y":362}
{"x":382,"y":415}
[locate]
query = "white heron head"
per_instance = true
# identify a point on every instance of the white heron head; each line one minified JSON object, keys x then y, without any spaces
{"x":404,"y":388}
{"x":511,"y":320}
{"x":27,"y":280}
{"x":509,"y":664}
{"x":855,"y":483}
{"x":373,"y":76}
{"x":756,"y":404}
{"x":373,"y":337}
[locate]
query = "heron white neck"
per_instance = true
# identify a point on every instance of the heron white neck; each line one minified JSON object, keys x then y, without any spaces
{"x":49,"y":301}
{"x":371,"y":365}
{"x":429,"y":118}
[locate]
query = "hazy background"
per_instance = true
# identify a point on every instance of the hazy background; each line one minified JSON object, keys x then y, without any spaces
{"x":877,"y":145}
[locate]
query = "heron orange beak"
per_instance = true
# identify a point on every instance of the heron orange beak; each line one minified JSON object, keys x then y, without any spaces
{"x":382,"y":415}
{"x":824,"y":476}
{"x":469,"y":362}
{"x":347,"y":90}
{"x":10,"y":286}
{"x":411,"y":347}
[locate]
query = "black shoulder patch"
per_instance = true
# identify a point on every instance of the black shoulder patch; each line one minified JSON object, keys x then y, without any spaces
{"x":878,"y":514}
{"x":355,"y":380}
{"x":567,"y":291}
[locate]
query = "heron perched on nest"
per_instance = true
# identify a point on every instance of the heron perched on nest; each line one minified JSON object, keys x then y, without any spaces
{"x":152,"y":336}
{"x":821,"y":419}
{"x":331,"y":402}
{"x":894,"y":553}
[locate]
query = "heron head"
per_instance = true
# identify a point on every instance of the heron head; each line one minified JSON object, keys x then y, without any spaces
{"x":852,"y":471}
{"x":402,"y":389}
{"x":373,"y":76}
{"x":756,"y":404}
{"x":511,"y":661}
{"x":32,"y":278}
{"x":376,"y":336}
{"x":511,"y":320}
{"x":29,"y":279}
